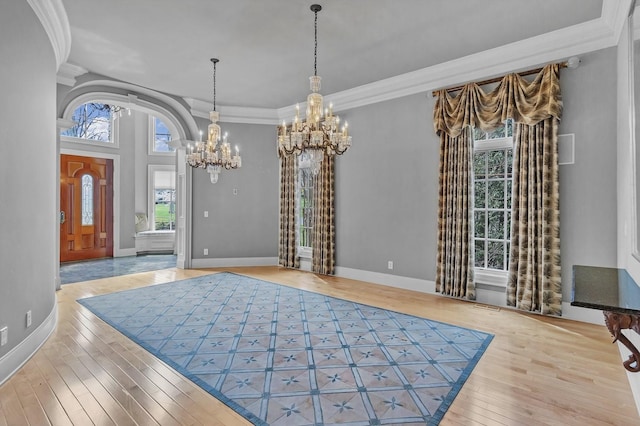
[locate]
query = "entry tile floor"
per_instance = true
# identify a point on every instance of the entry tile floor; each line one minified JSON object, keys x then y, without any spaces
{"x":86,"y":270}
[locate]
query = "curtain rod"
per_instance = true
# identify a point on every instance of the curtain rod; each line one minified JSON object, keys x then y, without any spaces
{"x":571,"y":63}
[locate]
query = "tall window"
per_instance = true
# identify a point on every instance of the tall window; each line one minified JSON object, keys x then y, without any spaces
{"x":162,"y":185}
{"x":493,"y":172}
{"x":160,"y":137}
{"x":93,"y":122}
{"x":305,"y":204}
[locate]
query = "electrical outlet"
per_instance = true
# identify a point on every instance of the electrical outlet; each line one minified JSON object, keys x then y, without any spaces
{"x":28,"y":319}
{"x":390,"y":264}
{"x":4,"y":331}
{"x":206,"y":252}
{"x":206,"y":213}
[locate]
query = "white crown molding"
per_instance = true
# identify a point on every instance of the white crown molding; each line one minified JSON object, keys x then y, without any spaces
{"x":553,"y":46}
{"x":54,"y":20}
{"x":67,"y":73}
{"x":234,"y":114}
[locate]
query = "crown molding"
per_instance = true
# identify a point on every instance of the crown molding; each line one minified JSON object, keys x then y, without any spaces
{"x":234,"y":114}
{"x":67,"y":74}
{"x":553,"y":46}
{"x":54,"y":20}
{"x":525,"y":54}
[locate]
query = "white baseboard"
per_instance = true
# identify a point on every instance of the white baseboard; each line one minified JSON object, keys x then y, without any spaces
{"x":234,"y":261}
{"x":124,"y":252}
{"x":407,"y":283}
{"x":11,"y":362}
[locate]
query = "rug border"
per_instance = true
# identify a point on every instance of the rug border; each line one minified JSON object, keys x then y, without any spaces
{"x":248,"y":415}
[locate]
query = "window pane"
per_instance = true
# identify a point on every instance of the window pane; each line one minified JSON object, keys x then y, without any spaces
{"x":496,"y":225}
{"x":497,"y":133}
{"x":480,"y":165}
{"x":479,"y":224}
{"x":495,"y":194}
{"x":162,"y":137}
{"x":496,"y":163}
{"x":165,"y":200}
{"x":509,"y":155}
{"x":478,"y":134}
{"x":92,"y":122}
{"x":87,"y":200}
{"x":480,"y":193}
{"x":492,"y":204}
{"x":495,"y":255}
{"x":479,"y":255}
{"x":305,"y":202}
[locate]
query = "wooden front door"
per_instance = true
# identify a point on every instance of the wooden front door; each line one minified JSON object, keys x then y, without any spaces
{"x":86,"y":204}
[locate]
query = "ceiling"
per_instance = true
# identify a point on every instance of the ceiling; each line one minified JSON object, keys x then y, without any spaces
{"x":266,"y":47}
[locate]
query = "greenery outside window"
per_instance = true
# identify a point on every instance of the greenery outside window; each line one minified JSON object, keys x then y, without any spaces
{"x":162,"y":198}
{"x":493,"y":179}
{"x":94,"y":123}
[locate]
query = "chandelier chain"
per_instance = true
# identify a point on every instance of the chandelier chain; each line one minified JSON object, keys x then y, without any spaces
{"x":214,"y":84}
{"x":315,"y":44}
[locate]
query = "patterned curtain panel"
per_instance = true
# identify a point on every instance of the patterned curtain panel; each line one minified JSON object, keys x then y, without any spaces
{"x":324,"y":230}
{"x":454,"y":268}
{"x":528,"y":104}
{"x":287,"y":242}
{"x":534,"y":268}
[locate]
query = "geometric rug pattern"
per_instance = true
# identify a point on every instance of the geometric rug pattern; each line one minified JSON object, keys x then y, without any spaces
{"x":282,"y":356}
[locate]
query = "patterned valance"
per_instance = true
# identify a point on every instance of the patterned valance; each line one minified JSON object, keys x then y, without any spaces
{"x":514,"y":97}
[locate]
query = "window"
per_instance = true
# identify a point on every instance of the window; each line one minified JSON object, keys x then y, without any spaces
{"x":493,"y":173}
{"x":304,"y":204}
{"x":94,"y":122}
{"x":160,"y":137}
{"x":87,"y":199}
{"x":162,"y":209}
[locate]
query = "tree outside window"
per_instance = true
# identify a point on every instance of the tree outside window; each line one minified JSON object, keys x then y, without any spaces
{"x":493,"y":174}
{"x":93,"y":121}
{"x":161,"y":137}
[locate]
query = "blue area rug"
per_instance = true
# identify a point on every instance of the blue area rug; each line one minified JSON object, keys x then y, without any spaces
{"x":278,"y":355}
{"x":86,"y":270}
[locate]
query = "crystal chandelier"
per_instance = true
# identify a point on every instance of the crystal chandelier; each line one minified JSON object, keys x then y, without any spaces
{"x":320,"y":131}
{"x":206,"y":155}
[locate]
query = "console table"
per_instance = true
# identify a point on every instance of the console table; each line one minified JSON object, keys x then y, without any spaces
{"x":614,"y":292}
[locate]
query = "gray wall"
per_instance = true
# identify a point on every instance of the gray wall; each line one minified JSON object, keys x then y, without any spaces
{"x":387,"y":183}
{"x":129,"y":162}
{"x":246,"y":224}
{"x":27,"y":188}
{"x":588,"y":225}
{"x":387,"y":189}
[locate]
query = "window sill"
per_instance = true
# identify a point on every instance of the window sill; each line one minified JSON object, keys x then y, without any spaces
{"x":304,"y":253}
{"x":491,"y":277}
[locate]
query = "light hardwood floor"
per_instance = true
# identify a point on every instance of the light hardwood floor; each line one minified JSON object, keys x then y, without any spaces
{"x":536,"y":371}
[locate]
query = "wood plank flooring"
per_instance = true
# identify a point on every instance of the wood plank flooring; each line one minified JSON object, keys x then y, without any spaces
{"x":536,"y":371}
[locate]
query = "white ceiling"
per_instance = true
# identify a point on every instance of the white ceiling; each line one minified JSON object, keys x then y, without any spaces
{"x":265,"y":47}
